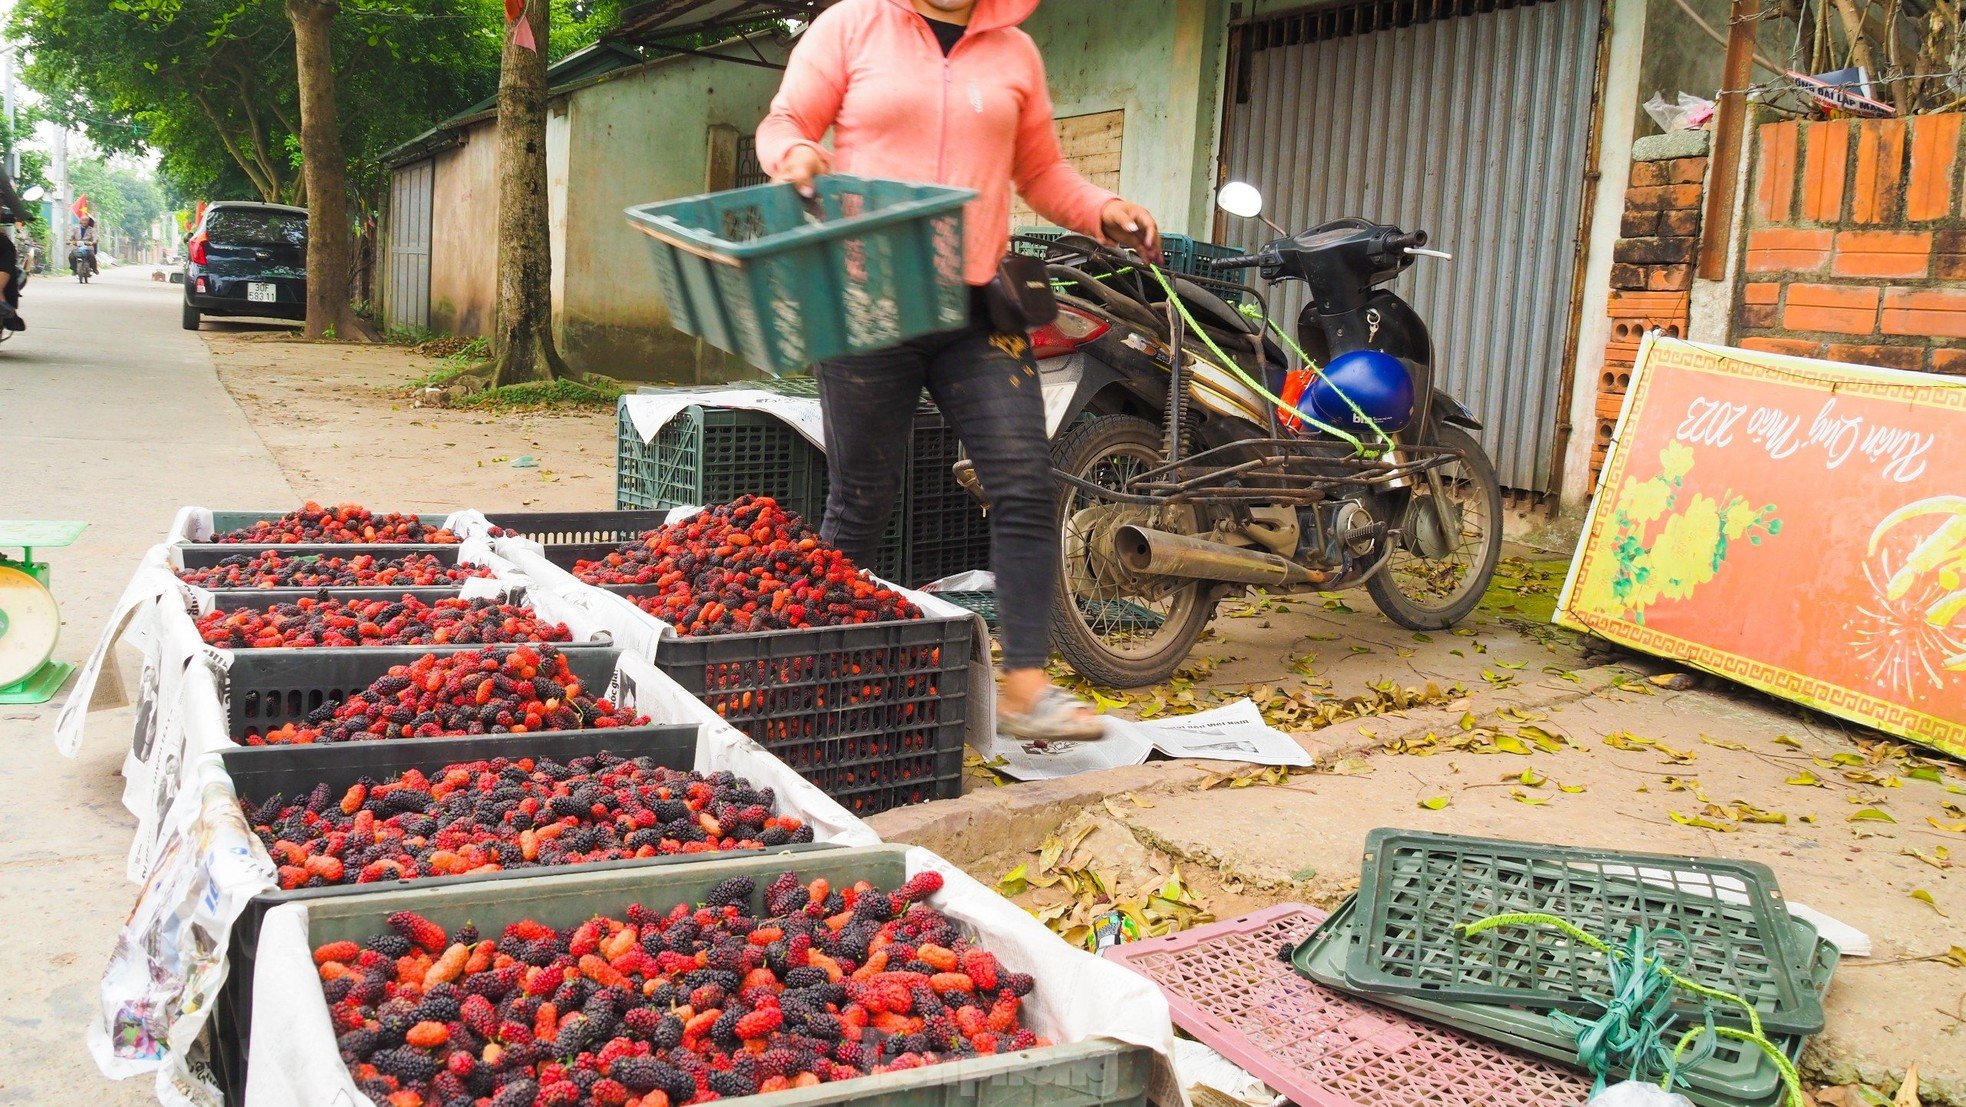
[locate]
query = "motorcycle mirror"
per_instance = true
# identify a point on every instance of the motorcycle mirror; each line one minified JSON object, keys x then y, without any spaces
{"x":1240,"y":198}
{"x":33,"y":195}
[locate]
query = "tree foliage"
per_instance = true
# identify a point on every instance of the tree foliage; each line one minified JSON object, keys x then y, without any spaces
{"x":124,"y":200}
{"x":211,"y":84}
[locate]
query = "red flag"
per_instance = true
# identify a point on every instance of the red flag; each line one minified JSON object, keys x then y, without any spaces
{"x":514,"y":9}
{"x":522,"y":29}
{"x":81,"y":207}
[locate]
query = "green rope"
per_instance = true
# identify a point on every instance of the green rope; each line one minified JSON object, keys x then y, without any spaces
{"x":1229,"y":366}
{"x":1632,"y":1028}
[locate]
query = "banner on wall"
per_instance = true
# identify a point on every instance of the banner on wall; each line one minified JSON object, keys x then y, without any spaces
{"x":1795,"y":525}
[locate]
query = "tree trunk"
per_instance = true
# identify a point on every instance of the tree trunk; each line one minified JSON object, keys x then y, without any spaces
{"x":324,"y":171}
{"x":522,"y":339}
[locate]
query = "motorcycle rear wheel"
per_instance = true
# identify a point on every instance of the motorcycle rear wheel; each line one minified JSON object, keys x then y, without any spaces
{"x":1113,"y":631}
{"x":1433,"y":593}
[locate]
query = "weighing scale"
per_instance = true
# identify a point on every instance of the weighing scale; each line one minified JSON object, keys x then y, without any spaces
{"x":29,"y":621}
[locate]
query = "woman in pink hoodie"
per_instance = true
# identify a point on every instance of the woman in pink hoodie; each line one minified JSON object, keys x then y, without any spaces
{"x":950,"y":92}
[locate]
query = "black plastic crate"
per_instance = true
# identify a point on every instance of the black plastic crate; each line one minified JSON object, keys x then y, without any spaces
{"x":947,"y":531}
{"x":711,"y":455}
{"x":1096,"y":1072}
{"x":267,"y":689}
{"x":259,"y":772}
{"x":201,"y":555}
{"x":558,"y":528}
{"x":873,"y":715}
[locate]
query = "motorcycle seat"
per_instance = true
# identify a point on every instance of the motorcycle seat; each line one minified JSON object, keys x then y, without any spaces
{"x":1211,"y":310}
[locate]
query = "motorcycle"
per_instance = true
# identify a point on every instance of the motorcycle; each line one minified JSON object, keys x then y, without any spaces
{"x":1197,"y":458}
{"x":82,"y":261}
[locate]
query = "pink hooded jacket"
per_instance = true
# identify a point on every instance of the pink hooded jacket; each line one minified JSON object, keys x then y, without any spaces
{"x":872,"y":71}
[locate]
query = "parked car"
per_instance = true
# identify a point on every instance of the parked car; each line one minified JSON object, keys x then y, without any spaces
{"x":246,"y":259}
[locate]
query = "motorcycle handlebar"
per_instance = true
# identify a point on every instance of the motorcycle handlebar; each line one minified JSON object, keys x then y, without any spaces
{"x":1242,"y":261}
{"x":1399,"y":242}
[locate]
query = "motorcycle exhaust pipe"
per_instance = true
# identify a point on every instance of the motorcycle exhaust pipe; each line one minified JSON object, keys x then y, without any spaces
{"x":1158,"y":553}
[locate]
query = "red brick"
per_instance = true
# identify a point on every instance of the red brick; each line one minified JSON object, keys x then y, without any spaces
{"x":1949,"y":255}
{"x":1639,"y":224}
{"x":1882,"y":357}
{"x":1758,"y":317}
{"x":1775,"y":249}
{"x":1680,"y":223}
{"x":1932,"y":312}
{"x":1793,"y":347}
{"x":1880,"y":170}
{"x":1934,"y":153}
{"x":1628,"y":276}
{"x":1775,"y":174}
{"x":1668,"y":278}
{"x":1649,"y":173}
{"x":1763,"y":293}
{"x":1654,"y":251}
{"x":1828,"y":307}
{"x":1951,"y":362}
{"x":1882,"y":254}
{"x":1687,"y":170}
{"x":1825,"y":168}
{"x":1662,"y":197}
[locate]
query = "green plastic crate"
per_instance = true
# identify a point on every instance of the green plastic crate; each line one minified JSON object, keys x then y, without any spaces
{"x":1416,"y":890}
{"x":1183,"y":254}
{"x":1095,"y":1073}
{"x":750,"y":272}
{"x":1736,"y":1075}
{"x":947,"y":530}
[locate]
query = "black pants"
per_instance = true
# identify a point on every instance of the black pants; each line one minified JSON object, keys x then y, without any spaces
{"x":987,"y":387}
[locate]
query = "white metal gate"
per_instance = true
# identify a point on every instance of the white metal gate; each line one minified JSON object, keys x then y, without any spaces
{"x":1469,"y":119}
{"x":408,"y":297}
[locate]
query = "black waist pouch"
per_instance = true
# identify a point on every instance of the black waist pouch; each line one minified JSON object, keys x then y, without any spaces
{"x":1020,"y":298}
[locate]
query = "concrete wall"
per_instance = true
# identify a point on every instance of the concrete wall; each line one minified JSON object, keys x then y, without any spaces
{"x":1161,"y":71}
{"x":463,"y":236}
{"x":639,"y":136}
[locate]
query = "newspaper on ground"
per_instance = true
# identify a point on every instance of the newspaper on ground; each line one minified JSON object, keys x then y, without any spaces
{"x":1233,"y":732}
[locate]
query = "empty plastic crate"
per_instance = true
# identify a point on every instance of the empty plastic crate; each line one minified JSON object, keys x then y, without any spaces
{"x":751,"y":272}
{"x":1736,"y":1075}
{"x":1227,"y":986}
{"x":1417,"y":890}
{"x":947,"y":530}
{"x":1182,"y":254}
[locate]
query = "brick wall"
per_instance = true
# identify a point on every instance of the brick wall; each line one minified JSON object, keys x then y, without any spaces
{"x":1856,"y":243}
{"x":1651,"y":271}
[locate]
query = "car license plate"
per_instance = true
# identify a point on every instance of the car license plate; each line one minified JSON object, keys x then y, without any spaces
{"x":261,"y":292}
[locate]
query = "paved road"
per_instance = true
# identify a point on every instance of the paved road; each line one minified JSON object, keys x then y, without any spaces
{"x":110,"y":413}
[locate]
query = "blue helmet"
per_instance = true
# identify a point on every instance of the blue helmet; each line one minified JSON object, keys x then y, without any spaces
{"x":1376,"y":384}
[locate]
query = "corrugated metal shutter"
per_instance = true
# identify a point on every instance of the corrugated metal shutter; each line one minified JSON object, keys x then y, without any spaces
{"x":408,"y":296}
{"x":1469,"y":119}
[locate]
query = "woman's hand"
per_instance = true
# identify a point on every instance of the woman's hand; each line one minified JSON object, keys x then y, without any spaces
{"x":1130,"y":225}
{"x":801,"y":164}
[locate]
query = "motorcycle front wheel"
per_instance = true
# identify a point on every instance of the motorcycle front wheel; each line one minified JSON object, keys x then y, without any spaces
{"x":1113,"y":628}
{"x":1451,"y":541}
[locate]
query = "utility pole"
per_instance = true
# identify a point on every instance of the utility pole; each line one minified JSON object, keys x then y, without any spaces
{"x":13,"y":140}
{"x":58,"y":226}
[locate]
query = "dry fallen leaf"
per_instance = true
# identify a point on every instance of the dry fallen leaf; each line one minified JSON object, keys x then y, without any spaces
{"x":1435,"y":803}
{"x":1908,"y":1091}
{"x":1926,"y":898}
{"x":1872,"y":815}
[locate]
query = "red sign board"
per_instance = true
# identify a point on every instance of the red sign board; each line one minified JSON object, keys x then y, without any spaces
{"x":1795,"y":525}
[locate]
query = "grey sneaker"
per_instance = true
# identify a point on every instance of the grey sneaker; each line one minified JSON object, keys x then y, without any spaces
{"x":1056,"y":717}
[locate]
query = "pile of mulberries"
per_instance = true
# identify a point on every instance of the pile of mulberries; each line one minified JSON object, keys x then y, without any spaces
{"x":662,"y":1009}
{"x":328,"y":621}
{"x":273,"y":569}
{"x":514,"y":691}
{"x":487,"y":816}
{"x":337,"y":524}
{"x":748,"y":565}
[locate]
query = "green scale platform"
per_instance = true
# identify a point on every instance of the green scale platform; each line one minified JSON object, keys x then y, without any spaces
{"x":30,"y":623}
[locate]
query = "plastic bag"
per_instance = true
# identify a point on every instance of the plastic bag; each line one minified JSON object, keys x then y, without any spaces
{"x":1686,"y":113}
{"x":1631,"y":1093}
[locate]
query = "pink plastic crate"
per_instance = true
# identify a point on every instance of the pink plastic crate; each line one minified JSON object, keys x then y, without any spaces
{"x":1229,"y":988}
